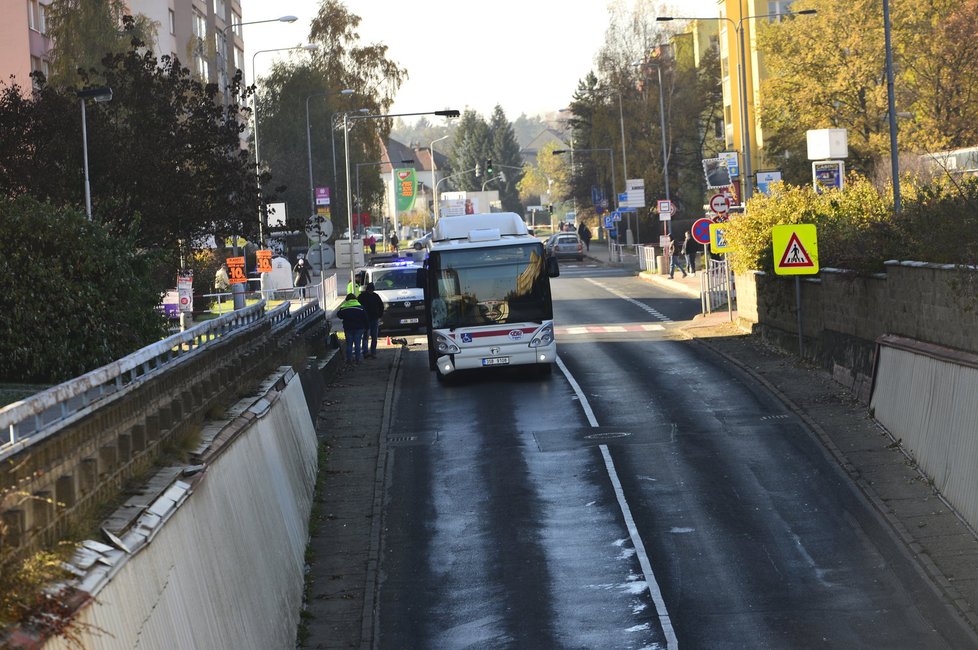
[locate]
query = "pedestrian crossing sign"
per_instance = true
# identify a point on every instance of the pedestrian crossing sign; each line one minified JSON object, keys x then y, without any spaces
{"x":718,"y":238}
{"x":795,"y":249}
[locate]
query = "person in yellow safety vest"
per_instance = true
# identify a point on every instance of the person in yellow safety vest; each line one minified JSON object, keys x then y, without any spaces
{"x":353,"y":287}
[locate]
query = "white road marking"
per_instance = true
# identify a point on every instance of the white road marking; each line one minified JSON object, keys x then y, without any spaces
{"x":655,"y":313}
{"x":643,"y":558}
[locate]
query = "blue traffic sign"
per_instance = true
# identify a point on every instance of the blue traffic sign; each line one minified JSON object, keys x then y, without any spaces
{"x":608,"y":222}
{"x":701,"y":231}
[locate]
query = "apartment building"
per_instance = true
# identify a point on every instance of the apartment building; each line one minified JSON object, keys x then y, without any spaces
{"x":24,"y":44}
{"x":198,"y":32}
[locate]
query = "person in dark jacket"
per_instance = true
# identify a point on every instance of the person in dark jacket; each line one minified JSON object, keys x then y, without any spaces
{"x":354,"y":318}
{"x":374,"y":305}
{"x":585,"y":234}
{"x":689,"y":252}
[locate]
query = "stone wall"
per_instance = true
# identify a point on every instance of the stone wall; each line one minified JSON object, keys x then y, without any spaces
{"x":844,"y":314}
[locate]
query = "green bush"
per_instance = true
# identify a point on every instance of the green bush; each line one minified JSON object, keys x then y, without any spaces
{"x":855,"y":229}
{"x":74,"y":299}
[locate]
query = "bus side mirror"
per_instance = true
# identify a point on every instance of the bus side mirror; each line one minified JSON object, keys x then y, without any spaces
{"x":553,"y":269}
{"x":421,"y":278}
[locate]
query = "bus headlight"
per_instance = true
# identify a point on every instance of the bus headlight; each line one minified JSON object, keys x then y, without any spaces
{"x":543,"y":337}
{"x":445,"y":345}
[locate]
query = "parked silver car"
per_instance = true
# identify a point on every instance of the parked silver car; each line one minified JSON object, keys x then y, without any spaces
{"x":565,"y":245}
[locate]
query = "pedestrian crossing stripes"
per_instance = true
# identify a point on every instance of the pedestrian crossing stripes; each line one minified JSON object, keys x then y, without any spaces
{"x":655,"y":313}
{"x":572,"y":330}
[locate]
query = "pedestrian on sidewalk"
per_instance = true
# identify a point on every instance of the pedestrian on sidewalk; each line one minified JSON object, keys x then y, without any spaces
{"x":301,"y":273}
{"x":585,"y":234}
{"x":675,"y":259}
{"x":394,"y":241}
{"x":689,"y":252}
{"x":354,"y":318}
{"x":374,"y":306}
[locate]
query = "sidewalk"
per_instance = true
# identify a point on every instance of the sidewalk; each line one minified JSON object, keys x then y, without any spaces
{"x":945,"y":548}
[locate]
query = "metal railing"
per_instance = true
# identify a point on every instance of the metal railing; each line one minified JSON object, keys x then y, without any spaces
{"x":33,"y":419}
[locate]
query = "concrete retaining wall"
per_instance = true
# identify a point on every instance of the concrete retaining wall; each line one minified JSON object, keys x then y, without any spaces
{"x":843,"y":315}
{"x":218,"y":561}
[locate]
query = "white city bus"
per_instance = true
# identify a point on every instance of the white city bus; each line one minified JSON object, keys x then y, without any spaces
{"x":486,"y":287}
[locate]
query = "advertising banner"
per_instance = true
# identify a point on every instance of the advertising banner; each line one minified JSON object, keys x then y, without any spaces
{"x":716,"y":171}
{"x":185,"y":290}
{"x":322,"y":196}
{"x":766,"y":179}
{"x":405,"y":189}
{"x":733,"y":164}
{"x":828,"y":175}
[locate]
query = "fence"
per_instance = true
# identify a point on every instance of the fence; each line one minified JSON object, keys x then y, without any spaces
{"x":69,"y":449}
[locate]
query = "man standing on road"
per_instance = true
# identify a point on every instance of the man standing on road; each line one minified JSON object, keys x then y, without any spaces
{"x":354,"y":318}
{"x":374,"y":305}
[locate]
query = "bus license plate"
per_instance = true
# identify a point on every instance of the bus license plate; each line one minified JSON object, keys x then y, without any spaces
{"x":495,"y":361}
{"x":409,"y":321}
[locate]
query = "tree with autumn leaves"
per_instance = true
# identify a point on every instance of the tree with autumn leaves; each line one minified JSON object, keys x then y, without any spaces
{"x":831,"y":74}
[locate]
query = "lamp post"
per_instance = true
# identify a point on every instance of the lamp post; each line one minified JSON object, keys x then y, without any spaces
{"x":333,"y":124}
{"x":434,"y":181}
{"x":261,"y":220}
{"x":312,"y":190}
{"x":891,"y":106}
{"x":224,"y":54}
{"x":103,"y":94}
{"x":738,"y":27}
{"x":346,"y":147}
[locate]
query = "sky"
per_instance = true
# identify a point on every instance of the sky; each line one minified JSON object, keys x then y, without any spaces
{"x":461,"y":53}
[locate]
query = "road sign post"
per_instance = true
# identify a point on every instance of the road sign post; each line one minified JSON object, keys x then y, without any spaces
{"x":795,"y":248}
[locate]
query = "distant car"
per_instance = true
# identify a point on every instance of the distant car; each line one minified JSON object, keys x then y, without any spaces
{"x":396,"y":283}
{"x":422,"y":241}
{"x":565,"y":245}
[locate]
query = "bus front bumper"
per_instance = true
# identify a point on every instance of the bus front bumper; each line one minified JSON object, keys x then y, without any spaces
{"x":472,"y":358}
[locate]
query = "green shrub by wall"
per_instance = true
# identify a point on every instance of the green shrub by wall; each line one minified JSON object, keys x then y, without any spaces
{"x":73,"y":298}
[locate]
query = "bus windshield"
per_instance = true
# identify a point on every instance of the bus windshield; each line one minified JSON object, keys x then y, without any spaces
{"x":485,"y":286}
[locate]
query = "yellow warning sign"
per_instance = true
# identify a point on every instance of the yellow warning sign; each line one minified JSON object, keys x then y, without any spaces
{"x":718,"y":237}
{"x":795,"y":249}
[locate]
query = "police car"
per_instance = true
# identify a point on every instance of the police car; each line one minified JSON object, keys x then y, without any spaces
{"x":397,"y":285}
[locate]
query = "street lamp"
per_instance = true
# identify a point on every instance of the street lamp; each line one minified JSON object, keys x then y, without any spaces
{"x":224,"y":40}
{"x":103,"y":94}
{"x":891,"y":106}
{"x":434,"y":181}
{"x":738,"y":27}
{"x":346,"y":146}
{"x":308,"y":47}
{"x":312,"y":190}
{"x":662,"y":128}
{"x":333,"y":123}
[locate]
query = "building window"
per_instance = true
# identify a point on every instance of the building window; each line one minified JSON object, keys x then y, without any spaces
{"x":173,"y":23}
{"x":200,"y":25}
{"x":219,"y":9}
{"x":239,"y":58}
{"x":236,"y":23}
{"x":718,"y":128}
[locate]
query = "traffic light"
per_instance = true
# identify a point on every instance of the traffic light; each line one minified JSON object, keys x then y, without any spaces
{"x":488,"y":166}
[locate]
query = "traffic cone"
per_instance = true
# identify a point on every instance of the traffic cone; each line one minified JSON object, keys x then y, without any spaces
{"x":388,"y":341}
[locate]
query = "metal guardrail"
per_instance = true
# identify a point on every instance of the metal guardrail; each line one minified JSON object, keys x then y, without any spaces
{"x":33,"y":419}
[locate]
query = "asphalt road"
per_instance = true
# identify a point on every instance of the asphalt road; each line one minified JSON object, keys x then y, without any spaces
{"x":655,"y":492}
{"x":649,"y":495}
